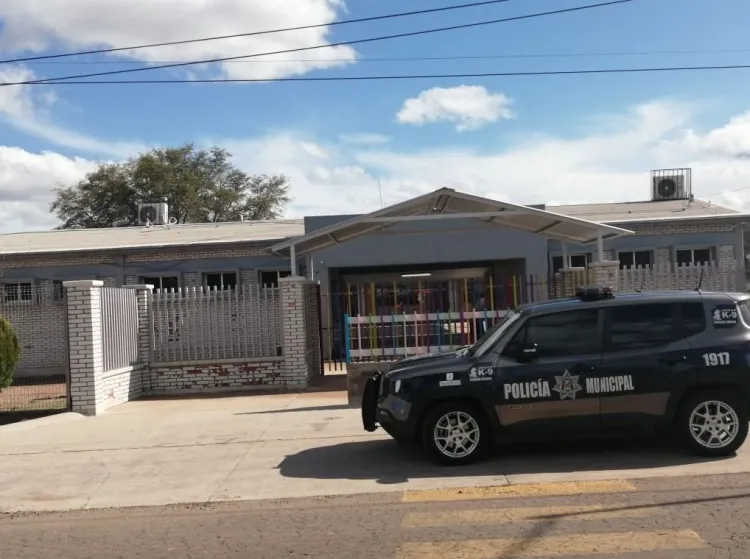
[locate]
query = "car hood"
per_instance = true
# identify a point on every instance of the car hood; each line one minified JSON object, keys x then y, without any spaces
{"x":431,"y":362}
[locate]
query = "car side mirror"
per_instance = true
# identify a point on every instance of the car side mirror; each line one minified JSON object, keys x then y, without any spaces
{"x":527,"y":352}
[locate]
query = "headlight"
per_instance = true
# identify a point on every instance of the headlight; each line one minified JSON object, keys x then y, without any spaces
{"x":396,"y":386}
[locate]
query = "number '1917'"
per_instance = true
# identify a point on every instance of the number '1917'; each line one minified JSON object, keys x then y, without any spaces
{"x":716,"y":359}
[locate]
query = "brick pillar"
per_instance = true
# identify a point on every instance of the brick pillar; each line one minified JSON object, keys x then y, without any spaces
{"x":297,"y":369}
{"x":607,"y":274}
{"x":85,"y":343}
{"x":145,"y":354}
{"x":570,"y":279}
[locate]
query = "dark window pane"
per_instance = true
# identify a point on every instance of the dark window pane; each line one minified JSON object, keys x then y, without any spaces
{"x":684,"y":257}
{"x":578,"y":261}
{"x":557,"y":263}
{"x":626,"y":259}
{"x":644,"y":326}
{"x":693,"y":319}
{"x":229,"y":280}
{"x":58,"y":291}
{"x":213,"y":281}
{"x":17,"y":292}
{"x":643,"y":258}
{"x":564,"y":334}
{"x":269,"y":279}
{"x":170,"y":282}
{"x":285,"y":273}
{"x":702,"y":256}
{"x":12,"y":292}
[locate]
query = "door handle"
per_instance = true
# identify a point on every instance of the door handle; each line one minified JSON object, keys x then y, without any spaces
{"x":672,"y":361}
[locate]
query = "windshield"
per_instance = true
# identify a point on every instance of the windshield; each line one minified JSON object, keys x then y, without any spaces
{"x":492,"y":335}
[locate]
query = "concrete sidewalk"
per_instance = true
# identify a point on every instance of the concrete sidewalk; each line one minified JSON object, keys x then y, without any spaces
{"x":271,"y":446}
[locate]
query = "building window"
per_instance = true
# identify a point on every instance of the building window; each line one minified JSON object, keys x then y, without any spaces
{"x":635,"y":258}
{"x":693,"y":256}
{"x":58,"y":291}
{"x":576,"y":261}
{"x":271,"y":278}
{"x":17,"y":292}
{"x":164,"y":283}
{"x":221,"y":281}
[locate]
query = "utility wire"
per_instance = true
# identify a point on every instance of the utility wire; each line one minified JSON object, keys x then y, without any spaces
{"x":399,"y":77}
{"x":329,"y":45}
{"x":256,"y":33}
{"x":426,"y":58}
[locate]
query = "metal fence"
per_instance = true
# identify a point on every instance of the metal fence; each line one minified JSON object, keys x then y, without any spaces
{"x":202,"y":324}
{"x":38,"y":315}
{"x":119,"y":327}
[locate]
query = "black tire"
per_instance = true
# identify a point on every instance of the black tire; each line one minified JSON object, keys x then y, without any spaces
{"x":468,"y":410}
{"x":726,"y":397}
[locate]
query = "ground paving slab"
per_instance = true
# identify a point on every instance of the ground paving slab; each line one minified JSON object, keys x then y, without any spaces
{"x":207,"y":450}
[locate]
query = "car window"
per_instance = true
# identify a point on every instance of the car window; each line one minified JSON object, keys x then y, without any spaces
{"x":563,"y":334}
{"x":745,"y":311}
{"x":693,"y":319}
{"x":643,"y":326}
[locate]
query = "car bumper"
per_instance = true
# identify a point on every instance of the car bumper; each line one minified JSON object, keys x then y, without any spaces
{"x":390,"y":412}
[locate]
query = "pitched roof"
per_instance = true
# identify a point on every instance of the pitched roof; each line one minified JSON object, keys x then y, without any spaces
{"x":150,"y":237}
{"x":623,"y":212}
{"x":446,"y":203}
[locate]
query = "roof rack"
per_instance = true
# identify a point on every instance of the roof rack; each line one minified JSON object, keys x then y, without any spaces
{"x":594,"y":292}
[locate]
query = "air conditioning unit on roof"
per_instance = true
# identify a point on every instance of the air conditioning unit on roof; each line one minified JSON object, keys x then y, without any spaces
{"x":153,"y":214}
{"x":671,"y":184}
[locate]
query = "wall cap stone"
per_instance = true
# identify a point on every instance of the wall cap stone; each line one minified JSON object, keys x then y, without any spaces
{"x":208,"y":362}
{"x":295,"y":279}
{"x":605,"y":263}
{"x":139,"y":286}
{"x":83,"y":284}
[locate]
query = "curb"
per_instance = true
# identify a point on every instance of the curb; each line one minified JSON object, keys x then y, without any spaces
{"x":41,"y":422}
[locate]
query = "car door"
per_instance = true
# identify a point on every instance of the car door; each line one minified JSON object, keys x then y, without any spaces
{"x":644,"y":355}
{"x":544,"y":394}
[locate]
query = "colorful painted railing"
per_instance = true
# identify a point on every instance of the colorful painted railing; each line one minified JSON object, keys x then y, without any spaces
{"x":388,"y":336}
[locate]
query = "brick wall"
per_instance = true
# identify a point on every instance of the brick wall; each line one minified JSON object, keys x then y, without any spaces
{"x":216,"y":376}
{"x":40,"y":325}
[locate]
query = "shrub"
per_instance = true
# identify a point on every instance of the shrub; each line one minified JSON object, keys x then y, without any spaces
{"x":10,"y":352}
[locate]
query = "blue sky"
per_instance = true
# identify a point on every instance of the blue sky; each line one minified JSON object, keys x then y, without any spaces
{"x":526,"y":139}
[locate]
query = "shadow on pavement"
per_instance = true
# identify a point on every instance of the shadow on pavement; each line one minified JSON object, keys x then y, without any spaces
{"x":291,"y":410}
{"x":388,"y":462}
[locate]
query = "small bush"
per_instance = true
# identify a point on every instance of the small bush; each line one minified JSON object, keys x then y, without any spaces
{"x":10,"y":352}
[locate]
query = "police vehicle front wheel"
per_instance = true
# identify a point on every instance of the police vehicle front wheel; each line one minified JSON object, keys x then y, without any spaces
{"x":456,"y":433}
{"x":713,"y":422}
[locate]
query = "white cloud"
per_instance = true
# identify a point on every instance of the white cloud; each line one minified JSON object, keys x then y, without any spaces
{"x":82,"y":24}
{"x":470,"y":106}
{"x":611,"y":163}
{"x":26,"y":183}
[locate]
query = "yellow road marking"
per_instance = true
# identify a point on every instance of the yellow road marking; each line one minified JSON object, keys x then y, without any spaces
{"x":529,"y":490}
{"x":555,"y":546}
{"x":479,"y":517}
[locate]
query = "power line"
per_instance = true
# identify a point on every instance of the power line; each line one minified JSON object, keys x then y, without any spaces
{"x":256,"y":33}
{"x":428,"y":58}
{"x":315,"y":47}
{"x":401,"y":77}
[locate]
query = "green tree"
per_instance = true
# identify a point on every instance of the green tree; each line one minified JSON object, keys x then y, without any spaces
{"x":200,"y":186}
{"x":10,"y":353}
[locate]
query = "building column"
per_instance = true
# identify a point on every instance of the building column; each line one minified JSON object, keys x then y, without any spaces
{"x":86,"y":356}
{"x":297,"y":334}
{"x":606,"y":273}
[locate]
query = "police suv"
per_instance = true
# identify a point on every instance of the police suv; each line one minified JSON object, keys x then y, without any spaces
{"x":595,"y":364}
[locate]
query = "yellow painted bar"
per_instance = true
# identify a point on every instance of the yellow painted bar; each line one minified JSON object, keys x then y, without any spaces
{"x":569,"y":545}
{"x":515,"y":292}
{"x":492,"y":294}
{"x":530,"y":490}
{"x":483,"y":516}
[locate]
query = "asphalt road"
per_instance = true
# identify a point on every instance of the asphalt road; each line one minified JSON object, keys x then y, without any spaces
{"x":668,"y":518}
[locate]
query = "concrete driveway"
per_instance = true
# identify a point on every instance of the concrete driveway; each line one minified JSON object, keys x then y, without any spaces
{"x":273,"y":446}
